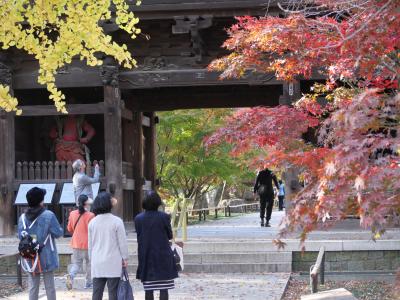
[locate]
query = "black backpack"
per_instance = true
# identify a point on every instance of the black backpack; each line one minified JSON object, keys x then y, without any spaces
{"x":28,"y":247}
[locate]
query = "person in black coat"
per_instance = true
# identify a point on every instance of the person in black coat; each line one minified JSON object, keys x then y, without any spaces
{"x":157,"y":267}
{"x":265,"y":190}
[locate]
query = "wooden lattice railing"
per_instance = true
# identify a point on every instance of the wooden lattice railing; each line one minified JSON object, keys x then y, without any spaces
{"x":58,"y":170}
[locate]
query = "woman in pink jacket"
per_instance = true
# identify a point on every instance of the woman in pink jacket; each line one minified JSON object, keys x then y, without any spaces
{"x":78,"y":224}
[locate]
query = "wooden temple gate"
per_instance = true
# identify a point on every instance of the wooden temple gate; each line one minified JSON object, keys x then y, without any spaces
{"x":179,"y":40}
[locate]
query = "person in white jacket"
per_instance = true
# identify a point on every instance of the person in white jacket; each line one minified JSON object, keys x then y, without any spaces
{"x":108,"y":249}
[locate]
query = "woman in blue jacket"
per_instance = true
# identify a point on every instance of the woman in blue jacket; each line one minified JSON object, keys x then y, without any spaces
{"x":42,"y":225}
{"x":157,"y":267}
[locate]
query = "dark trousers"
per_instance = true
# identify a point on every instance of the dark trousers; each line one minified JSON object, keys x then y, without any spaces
{"x":149,"y":295}
{"x":100,"y":283}
{"x":281,"y":198}
{"x":266,"y":202}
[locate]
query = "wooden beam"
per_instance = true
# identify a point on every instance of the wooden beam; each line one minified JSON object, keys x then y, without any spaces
{"x":73,"y":109}
{"x":158,"y":5}
{"x":78,"y":75}
{"x":205,"y":97}
{"x":113,"y":144}
{"x":167,"y":9}
{"x":188,"y":77}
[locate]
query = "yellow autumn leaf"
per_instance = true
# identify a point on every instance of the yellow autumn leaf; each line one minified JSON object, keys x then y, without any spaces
{"x":76,"y":23}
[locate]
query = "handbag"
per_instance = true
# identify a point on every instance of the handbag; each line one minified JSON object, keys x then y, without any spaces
{"x":177,"y":250}
{"x":125,"y":291}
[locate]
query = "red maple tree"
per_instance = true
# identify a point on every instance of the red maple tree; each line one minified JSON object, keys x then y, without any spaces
{"x":352,"y":165}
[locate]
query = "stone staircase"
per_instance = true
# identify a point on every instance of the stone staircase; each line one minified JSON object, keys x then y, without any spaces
{"x":230,"y":257}
{"x":211,"y":256}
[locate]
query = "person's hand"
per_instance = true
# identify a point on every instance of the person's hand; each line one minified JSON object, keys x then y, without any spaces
{"x":124,"y":263}
{"x":84,"y":140}
{"x":96,"y":167}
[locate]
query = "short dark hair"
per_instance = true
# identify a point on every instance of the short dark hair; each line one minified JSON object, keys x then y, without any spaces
{"x":102,"y":204}
{"x":151,"y":201}
{"x":35,"y":196}
{"x":280,"y":180}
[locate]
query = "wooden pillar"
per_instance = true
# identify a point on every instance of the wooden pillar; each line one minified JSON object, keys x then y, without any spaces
{"x":150,"y":147}
{"x":138,"y":162}
{"x":113,"y":136}
{"x":7,"y":161}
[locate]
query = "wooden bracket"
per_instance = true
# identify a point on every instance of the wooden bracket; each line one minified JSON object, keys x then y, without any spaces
{"x":109,"y":76}
{"x":192,"y":24}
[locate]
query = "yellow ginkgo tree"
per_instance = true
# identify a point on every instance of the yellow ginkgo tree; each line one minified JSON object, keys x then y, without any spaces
{"x":56,"y":31}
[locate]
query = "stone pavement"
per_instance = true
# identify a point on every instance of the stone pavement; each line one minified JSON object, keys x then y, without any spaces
{"x":248,"y":227}
{"x":193,"y":287}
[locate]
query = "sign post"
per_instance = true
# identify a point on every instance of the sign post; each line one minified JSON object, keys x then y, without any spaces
{"x":67,"y":202}
{"x":20,"y":200}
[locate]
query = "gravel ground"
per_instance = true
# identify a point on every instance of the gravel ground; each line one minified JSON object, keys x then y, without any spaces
{"x":191,"y":287}
{"x":362,"y":290}
{"x":8,"y":288}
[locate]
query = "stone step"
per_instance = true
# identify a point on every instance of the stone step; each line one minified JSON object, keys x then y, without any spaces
{"x":337,"y":294}
{"x":240,"y":245}
{"x":232,"y":262}
{"x":233,"y":268}
{"x":244,"y":258}
{"x":246,"y":246}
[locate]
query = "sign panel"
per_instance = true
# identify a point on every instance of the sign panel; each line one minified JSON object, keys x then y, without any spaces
{"x":67,"y":194}
{"x":147,"y":185}
{"x":25,"y":187}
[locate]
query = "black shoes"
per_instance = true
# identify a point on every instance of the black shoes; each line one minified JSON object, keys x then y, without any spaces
{"x":266,"y":224}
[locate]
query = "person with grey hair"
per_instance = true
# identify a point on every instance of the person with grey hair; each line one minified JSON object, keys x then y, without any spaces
{"x":81,"y":182}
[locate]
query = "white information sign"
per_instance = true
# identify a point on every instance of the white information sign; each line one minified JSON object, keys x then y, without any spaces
{"x":67,"y":194}
{"x":25,"y":187}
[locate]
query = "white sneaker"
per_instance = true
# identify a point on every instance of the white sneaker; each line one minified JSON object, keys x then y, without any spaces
{"x":88,"y":285}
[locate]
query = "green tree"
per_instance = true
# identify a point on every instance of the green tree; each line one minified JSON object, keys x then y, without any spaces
{"x":186,"y":168}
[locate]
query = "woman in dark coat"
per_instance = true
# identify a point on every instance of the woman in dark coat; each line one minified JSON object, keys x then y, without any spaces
{"x":157,"y":267}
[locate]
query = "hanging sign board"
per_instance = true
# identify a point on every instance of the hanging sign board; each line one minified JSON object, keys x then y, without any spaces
{"x":25,"y":187}
{"x":67,"y":194}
